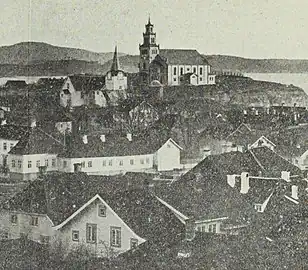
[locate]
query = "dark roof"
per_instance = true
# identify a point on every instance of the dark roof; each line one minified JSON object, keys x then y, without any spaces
{"x":147,"y":142}
{"x":15,"y":84}
{"x":204,"y":192}
{"x":12,"y":132}
{"x":59,"y":195}
{"x":36,"y":141}
{"x":184,"y":57}
{"x":87,"y":83}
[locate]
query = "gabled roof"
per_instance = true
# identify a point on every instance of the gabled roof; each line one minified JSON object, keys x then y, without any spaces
{"x":37,"y":141}
{"x":87,"y":83}
{"x":60,"y":195}
{"x":182,"y":57}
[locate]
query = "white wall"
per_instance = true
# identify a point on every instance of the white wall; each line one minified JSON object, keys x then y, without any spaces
{"x":24,"y":226}
{"x":90,"y":215}
{"x":175,"y":79}
{"x":116,"y":82}
{"x":98,"y":166}
{"x":9,"y":145}
{"x":64,"y":126}
{"x":168,"y":157}
{"x":24,"y":169}
{"x":74,"y":96}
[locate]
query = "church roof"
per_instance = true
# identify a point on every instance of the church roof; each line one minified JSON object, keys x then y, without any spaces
{"x":115,"y":62}
{"x":183,"y":56}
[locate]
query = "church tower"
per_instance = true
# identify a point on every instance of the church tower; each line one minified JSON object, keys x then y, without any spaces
{"x":147,"y":51}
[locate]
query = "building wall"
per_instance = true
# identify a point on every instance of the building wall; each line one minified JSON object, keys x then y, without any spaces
{"x":174,"y":79}
{"x":167,"y":157}
{"x":74,"y":96}
{"x":23,"y":225}
{"x":118,"y":82}
{"x":99,"y":99}
{"x":22,"y":169}
{"x":102,"y":245}
{"x":5,"y":147}
{"x":101,"y":165}
{"x":209,"y":226}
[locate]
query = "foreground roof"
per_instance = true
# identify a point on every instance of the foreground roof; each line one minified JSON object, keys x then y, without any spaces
{"x":60,"y":195}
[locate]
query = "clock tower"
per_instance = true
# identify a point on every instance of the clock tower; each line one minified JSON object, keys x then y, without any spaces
{"x":147,"y":52}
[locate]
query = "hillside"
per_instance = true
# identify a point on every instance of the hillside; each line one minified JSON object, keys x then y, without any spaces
{"x":28,"y":52}
{"x":247,"y":65}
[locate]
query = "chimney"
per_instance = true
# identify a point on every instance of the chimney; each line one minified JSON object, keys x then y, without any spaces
{"x":3,"y":122}
{"x":231,"y":180}
{"x":129,"y":136}
{"x":285,"y":176}
{"x":103,"y":138}
{"x":190,"y":229}
{"x":85,"y":139}
{"x":244,"y":182}
{"x":33,"y":123}
{"x":77,"y":167}
{"x":294,"y":193}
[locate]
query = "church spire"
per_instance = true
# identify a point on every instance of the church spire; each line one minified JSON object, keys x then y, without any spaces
{"x":115,"y":62}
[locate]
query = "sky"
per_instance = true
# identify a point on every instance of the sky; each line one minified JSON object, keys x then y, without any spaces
{"x":247,"y":28}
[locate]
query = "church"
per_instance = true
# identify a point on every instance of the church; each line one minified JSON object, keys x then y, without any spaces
{"x":171,"y":67}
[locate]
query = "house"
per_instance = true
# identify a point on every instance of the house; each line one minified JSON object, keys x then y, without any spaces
{"x":110,"y":155}
{"x":74,"y":210}
{"x":79,"y":90}
{"x":35,"y":152}
{"x":10,"y":135}
{"x":169,"y":65}
{"x":206,"y":195}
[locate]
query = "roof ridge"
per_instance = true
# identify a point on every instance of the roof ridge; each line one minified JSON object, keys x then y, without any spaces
{"x":256,"y":159}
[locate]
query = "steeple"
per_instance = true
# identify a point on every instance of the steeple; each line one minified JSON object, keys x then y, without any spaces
{"x":149,"y":20}
{"x":115,"y":62}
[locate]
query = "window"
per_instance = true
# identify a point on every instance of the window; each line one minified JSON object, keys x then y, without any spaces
{"x":38,"y":163}
{"x":91,"y":233}
{"x":67,"y":85}
{"x":142,"y":161}
{"x":131,"y":162}
{"x":147,"y":160}
{"x":104,"y":163}
{"x":14,"y":219}
{"x":174,"y":79}
{"x":4,"y":235}
{"x":29,"y":164}
{"x":212,"y":228}
{"x":194,"y":70}
{"x":13,"y":163}
{"x":45,"y":239}
{"x":11,"y":145}
{"x":102,"y":210}
{"x":19,"y":163}
{"x":46,"y":162}
{"x":89,"y":164}
{"x":200,"y":79}
{"x":182,"y":71}
{"x":152,"y":40}
{"x":203,"y":229}
{"x":64,"y":163}
{"x":75,"y":236}
{"x":144,"y":66}
{"x":258,"y":207}
{"x":53,"y":162}
{"x":121,"y":163}
{"x":200,"y":70}
{"x":83,"y":164}
{"x":133,"y":243}
{"x":4,"y":146}
{"x":110,"y":162}
{"x":174,"y":71}
{"x":115,"y":236}
{"x":34,"y":221}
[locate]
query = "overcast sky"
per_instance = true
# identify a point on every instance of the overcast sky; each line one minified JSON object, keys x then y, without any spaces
{"x":248,"y":28}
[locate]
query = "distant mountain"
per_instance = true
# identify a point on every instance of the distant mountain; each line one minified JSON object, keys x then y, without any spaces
{"x":246,"y":65}
{"x":39,"y":54}
{"x":29,"y":52}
